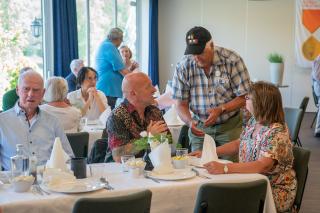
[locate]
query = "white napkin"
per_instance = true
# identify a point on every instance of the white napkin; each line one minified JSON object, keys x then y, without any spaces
{"x":104,"y":115}
{"x":171,"y":117}
{"x":161,"y":159}
{"x":58,"y":157}
{"x":209,"y":152}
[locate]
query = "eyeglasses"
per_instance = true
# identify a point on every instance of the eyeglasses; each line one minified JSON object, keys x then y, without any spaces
{"x":247,"y":97}
{"x":91,"y":79}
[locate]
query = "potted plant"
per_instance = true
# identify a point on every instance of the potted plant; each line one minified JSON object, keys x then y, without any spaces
{"x":143,"y":143}
{"x":276,"y":68}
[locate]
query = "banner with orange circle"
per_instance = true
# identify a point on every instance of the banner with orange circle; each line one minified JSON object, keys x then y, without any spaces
{"x":307,"y":31}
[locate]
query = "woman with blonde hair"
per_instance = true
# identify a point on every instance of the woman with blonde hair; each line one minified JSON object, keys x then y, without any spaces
{"x":264,"y":145}
{"x":55,"y":98}
{"x":126,"y":55}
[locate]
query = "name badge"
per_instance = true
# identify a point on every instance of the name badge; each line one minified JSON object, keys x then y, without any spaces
{"x":217,"y":73}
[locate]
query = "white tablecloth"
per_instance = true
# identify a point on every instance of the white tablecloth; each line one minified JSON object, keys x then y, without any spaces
{"x":167,"y":196}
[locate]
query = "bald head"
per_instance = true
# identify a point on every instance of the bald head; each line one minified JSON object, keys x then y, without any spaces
{"x":137,"y":89}
{"x":133,"y":81}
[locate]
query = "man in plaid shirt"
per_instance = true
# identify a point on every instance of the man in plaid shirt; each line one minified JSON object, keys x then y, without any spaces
{"x":211,"y":82}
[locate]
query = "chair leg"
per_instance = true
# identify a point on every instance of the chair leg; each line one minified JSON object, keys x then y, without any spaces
{"x":314,"y":119}
{"x":298,"y":142}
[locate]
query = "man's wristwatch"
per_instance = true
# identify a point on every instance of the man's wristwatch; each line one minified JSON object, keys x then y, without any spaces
{"x":225,"y":169}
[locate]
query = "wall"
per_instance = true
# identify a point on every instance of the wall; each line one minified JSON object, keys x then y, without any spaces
{"x":251,"y":28}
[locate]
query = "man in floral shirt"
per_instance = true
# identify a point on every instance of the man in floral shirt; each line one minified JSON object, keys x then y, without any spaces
{"x":134,"y":115}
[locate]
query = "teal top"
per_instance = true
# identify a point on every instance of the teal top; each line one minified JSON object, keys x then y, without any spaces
{"x":108,"y":65}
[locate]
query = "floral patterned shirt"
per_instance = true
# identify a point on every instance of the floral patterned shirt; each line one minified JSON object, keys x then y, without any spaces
{"x":272,"y":141}
{"x":124,"y":124}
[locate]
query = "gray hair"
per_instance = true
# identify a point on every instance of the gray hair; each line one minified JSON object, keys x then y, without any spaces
{"x":56,"y":89}
{"x":75,"y":64}
{"x":27,"y":73}
{"x":114,"y":34}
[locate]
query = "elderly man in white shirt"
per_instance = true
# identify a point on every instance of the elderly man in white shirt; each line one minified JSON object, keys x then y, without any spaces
{"x":27,"y":124}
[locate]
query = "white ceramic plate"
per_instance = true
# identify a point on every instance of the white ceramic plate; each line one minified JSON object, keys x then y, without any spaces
{"x":176,"y":175}
{"x":194,"y":161}
{"x":79,"y":186}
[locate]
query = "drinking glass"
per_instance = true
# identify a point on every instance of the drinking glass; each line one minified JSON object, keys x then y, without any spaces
{"x":182,"y":152}
{"x":124,"y":160}
{"x":97,"y":170}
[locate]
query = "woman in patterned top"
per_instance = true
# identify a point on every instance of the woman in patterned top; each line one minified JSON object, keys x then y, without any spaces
{"x":264,"y":145}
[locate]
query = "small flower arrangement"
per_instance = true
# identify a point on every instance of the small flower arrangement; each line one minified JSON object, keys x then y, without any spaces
{"x":151,"y":141}
{"x":275,"y":58}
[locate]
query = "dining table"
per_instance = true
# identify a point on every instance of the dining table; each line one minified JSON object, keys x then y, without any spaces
{"x":168,"y":195}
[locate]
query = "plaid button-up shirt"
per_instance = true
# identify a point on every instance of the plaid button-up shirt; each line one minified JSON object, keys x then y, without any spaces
{"x":228,"y":78}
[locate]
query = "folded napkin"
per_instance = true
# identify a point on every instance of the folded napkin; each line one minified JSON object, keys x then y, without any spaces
{"x":58,"y":157}
{"x":161,"y":159}
{"x":171,"y":117}
{"x":209,"y":152}
{"x":55,"y":177}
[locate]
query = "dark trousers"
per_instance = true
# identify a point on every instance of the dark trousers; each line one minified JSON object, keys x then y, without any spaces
{"x":111,"y":101}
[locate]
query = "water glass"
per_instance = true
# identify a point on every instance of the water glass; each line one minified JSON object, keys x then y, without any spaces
{"x":182,"y":152}
{"x":83,"y":123}
{"x":124,"y":160}
{"x":97,"y":170}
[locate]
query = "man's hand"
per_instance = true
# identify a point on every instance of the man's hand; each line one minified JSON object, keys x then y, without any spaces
{"x":157,"y":127}
{"x":197,"y":153}
{"x":214,"y":114}
{"x":214,"y":167}
{"x":195,"y":130}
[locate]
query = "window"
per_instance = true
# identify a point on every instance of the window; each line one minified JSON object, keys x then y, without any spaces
{"x":104,"y":15}
{"x":18,"y":48}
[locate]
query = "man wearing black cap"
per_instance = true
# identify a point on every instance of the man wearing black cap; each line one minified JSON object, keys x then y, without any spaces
{"x":210,"y":81}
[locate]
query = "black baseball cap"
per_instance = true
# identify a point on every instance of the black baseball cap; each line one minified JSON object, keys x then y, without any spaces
{"x":196,"y":40}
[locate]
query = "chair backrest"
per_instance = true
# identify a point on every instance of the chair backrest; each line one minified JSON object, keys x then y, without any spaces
{"x":300,"y":165}
{"x":98,"y":151}
{"x":139,"y":202}
{"x":79,"y":143}
{"x":293,"y":119}
{"x":229,"y":197}
{"x":304,"y":104}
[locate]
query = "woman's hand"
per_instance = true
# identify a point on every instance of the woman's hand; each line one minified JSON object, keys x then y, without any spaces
{"x":197,"y":153}
{"x":157,"y":127}
{"x":214,"y":167}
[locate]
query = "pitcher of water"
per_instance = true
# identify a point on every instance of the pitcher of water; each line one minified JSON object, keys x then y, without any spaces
{"x":19,"y":162}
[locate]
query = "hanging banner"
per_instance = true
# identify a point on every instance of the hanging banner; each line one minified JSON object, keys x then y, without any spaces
{"x":307,"y":31}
